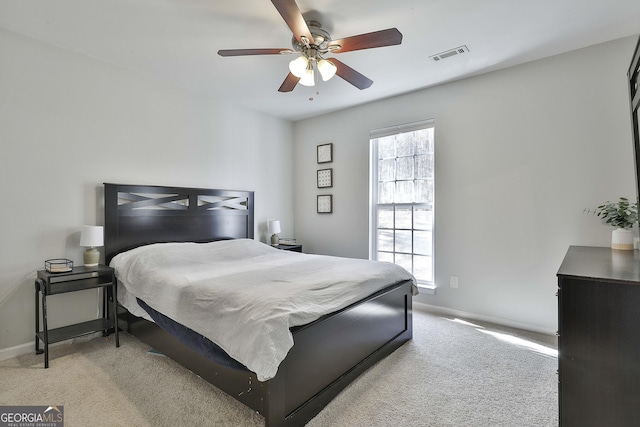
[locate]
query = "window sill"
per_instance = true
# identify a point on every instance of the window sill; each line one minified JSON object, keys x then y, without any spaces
{"x":427,"y":289}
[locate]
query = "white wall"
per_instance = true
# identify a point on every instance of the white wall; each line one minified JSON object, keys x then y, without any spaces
{"x":68,"y":123}
{"x":519,"y":154}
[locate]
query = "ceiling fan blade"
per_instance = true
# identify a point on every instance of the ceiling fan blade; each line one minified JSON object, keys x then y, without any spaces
{"x":294,"y":19}
{"x":351,"y":75}
{"x":244,"y":52}
{"x":388,"y":37}
{"x":289,"y":83}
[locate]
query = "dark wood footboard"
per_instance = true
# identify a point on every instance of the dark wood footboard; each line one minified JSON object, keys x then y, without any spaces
{"x":327,"y":355}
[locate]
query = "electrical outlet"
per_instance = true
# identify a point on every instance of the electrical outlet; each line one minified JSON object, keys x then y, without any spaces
{"x":453,"y":281}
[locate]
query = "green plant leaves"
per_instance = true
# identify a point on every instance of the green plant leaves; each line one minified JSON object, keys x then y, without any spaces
{"x":620,"y":214}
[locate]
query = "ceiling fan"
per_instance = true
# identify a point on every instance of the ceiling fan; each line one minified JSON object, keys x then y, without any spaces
{"x":313,"y":42}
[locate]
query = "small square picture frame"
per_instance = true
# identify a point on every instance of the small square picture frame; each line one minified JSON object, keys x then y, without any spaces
{"x":325,"y":204}
{"x":325,"y":178}
{"x":324,"y":153}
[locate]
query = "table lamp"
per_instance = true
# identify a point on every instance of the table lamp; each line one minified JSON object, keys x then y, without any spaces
{"x":274,"y":229}
{"x":91,"y":237}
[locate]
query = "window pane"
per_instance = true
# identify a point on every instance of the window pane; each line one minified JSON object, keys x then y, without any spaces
{"x":386,"y":148}
{"x":422,"y":143}
{"x":424,"y":166}
{"x":423,"y":268}
{"x":387,"y":170}
{"x":385,"y":217}
{"x":404,"y":261}
{"x":422,"y":219}
{"x":430,"y":134}
{"x":387,"y":192}
{"x":385,"y":256}
{"x":424,"y":191}
{"x":404,"y":167}
{"x":403,"y":241}
{"x":404,"y":192}
{"x":404,"y":145}
{"x":422,"y":242}
{"x":385,"y":240}
{"x":403,"y":218}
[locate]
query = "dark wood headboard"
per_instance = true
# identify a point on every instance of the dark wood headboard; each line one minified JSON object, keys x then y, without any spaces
{"x":137,"y":215}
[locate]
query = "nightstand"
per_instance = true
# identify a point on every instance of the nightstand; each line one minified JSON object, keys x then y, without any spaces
{"x":292,"y":248}
{"x":78,"y":279}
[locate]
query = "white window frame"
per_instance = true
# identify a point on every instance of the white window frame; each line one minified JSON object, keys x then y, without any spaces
{"x":428,"y":287}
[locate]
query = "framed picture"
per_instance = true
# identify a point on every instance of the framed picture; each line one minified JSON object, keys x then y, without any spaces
{"x":325,"y":178}
{"x":325,"y":203}
{"x":325,"y":153}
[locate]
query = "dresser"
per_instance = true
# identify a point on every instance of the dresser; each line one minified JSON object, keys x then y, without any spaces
{"x":599,"y":337}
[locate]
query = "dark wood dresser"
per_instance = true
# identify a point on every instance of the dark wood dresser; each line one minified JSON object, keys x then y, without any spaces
{"x":599,"y":337}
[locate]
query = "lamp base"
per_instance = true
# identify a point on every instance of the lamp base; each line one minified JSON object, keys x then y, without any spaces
{"x":275,"y":240}
{"x":91,"y":257}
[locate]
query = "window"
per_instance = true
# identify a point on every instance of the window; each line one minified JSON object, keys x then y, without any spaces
{"x":402,"y":194}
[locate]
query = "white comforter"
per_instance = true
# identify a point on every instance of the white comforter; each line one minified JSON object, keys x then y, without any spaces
{"x":244,"y":295}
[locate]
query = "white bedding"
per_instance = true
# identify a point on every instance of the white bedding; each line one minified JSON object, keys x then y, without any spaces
{"x":244,"y":295}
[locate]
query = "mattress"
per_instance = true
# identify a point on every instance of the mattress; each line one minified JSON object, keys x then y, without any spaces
{"x":192,"y":339}
{"x":243,"y":295}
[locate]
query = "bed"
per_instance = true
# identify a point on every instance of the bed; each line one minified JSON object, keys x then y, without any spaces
{"x":327,"y":354}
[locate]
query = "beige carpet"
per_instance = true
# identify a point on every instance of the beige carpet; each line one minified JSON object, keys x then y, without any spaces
{"x":452,"y":373}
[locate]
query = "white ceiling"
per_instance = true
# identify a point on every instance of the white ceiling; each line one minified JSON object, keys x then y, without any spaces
{"x":177,"y":41}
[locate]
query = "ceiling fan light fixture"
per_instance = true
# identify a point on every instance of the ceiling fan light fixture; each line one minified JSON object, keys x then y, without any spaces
{"x":298,"y":66}
{"x":327,"y":69}
{"x":308,"y":78}
{"x":312,"y":41}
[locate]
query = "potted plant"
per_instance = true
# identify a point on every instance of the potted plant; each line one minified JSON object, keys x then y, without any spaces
{"x":622,"y":215}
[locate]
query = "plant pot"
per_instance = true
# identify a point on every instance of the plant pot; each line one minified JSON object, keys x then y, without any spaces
{"x":622,"y":239}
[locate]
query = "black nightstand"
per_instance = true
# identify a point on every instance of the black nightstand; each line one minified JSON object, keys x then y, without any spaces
{"x":78,"y":279}
{"x":292,"y":248}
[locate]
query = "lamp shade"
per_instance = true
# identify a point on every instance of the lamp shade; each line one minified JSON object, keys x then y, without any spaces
{"x":308,"y":78}
{"x":327,"y":69}
{"x":298,"y":66}
{"x":91,"y":236}
{"x":274,"y":227}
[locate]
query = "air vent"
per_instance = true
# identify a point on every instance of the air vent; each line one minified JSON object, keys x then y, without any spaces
{"x":449,"y":53}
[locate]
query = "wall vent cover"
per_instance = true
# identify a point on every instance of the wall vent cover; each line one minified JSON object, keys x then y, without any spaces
{"x":449,"y":53}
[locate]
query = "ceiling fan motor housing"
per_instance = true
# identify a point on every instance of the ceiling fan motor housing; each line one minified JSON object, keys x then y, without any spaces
{"x":321,"y":38}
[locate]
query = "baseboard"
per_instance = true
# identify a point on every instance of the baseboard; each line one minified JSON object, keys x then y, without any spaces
{"x":19,"y":350}
{"x":473,"y":316}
